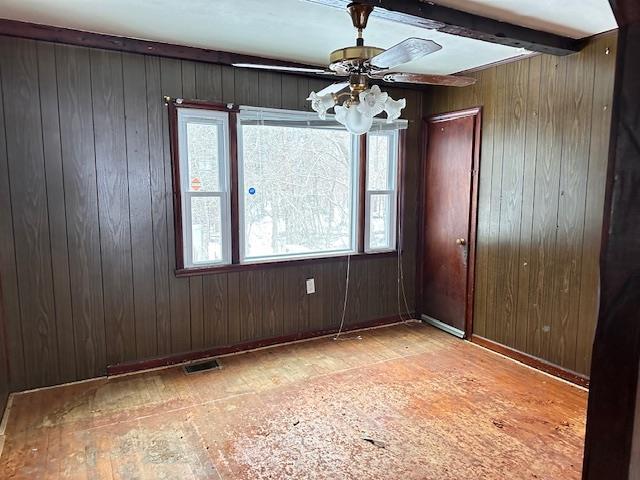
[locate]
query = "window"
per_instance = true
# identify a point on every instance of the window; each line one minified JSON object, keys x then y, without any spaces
{"x":205,"y":203}
{"x":298,"y":187}
{"x":258,"y":185}
{"x":381,"y":196}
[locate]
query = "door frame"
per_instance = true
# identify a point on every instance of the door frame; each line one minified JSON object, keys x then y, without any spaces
{"x":475,"y":112}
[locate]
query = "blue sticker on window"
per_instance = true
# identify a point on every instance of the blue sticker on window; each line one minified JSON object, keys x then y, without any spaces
{"x":252,"y":191}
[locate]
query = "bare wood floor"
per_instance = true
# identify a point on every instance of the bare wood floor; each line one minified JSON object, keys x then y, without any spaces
{"x":440,"y":407}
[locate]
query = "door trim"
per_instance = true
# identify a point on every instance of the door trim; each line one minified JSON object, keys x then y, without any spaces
{"x":475,"y":112}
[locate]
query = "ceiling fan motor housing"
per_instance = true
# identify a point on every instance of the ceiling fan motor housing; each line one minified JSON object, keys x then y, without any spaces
{"x":351,"y":59}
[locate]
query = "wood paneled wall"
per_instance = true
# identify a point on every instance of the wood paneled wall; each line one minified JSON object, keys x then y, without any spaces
{"x":86,"y":223}
{"x":4,"y":367}
{"x":545,"y":139}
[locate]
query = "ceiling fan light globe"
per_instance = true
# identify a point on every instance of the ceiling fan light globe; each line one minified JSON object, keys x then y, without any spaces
{"x":393,"y":108}
{"x":353,"y":119}
{"x":372,"y":101}
{"x":321,"y":103}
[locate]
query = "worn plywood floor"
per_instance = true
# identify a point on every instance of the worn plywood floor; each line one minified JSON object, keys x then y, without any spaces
{"x":439,"y":408}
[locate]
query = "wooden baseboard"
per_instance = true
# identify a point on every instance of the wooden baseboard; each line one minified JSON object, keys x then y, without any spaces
{"x":538,"y":363}
{"x":173,"y":359}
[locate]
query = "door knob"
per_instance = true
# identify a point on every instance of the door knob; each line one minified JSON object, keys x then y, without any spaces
{"x":460,"y":241}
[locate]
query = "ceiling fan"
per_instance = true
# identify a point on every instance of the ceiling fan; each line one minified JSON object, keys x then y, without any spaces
{"x":362,"y":62}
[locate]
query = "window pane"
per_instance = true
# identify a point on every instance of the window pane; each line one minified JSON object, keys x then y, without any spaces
{"x":297,"y":190}
{"x":380,"y":221}
{"x":202,"y":144}
{"x":206,"y":229}
{"x":379,"y":168}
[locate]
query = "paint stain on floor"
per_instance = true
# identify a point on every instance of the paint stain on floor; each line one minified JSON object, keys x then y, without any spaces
{"x":404,"y":402}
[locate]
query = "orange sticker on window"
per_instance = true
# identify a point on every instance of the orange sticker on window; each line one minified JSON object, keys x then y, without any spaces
{"x":196,"y":184}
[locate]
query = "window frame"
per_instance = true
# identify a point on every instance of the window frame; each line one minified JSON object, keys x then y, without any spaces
{"x":221,"y":121}
{"x":234,"y":149}
{"x":392,"y":193}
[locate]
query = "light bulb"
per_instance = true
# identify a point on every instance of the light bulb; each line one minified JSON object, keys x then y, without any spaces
{"x":356,"y":122}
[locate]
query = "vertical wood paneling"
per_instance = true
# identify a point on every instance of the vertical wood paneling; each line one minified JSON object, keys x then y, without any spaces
{"x":296,"y":304}
{"x":101,"y":262}
{"x":234,"y":320}
{"x":228,"y":84}
{"x":410,"y":173}
{"x":495,"y":206}
{"x":376,"y":280}
{"x":515,"y":112}
{"x":4,"y":368}
{"x":270,"y":89}
{"x":56,"y":208}
{"x":289,"y":93}
{"x":81,"y":200}
{"x":272,"y":302}
{"x":245,"y":87}
{"x":113,"y":203}
{"x":542,"y":172}
{"x":303,"y":94}
{"x":571,"y":203}
{"x":30,"y":220}
{"x":159,"y":199}
{"x":334,"y":277}
{"x":528,"y":187}
{"x":545,"y":210}
{"x":56,"y":212}
{"x":216,"y":310}
{"x":140,"y":209}
{"x":251,"y":302}
{"x":483,"y":244}
{"x":357,"y":305}
{"x":208,"y":82}
{"x":395,"y":301}
{"x":605,"y":55}
{"x":8,"y":273}
{"x":171,"y":83}
{"x":196,"y":305}
{"x":315,"y":301}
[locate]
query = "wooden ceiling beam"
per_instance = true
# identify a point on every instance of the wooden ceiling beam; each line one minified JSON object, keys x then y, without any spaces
{"x":427,"y":15}
{"x":612,"y":440}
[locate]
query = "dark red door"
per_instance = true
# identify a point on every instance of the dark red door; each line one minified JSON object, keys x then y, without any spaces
{"x":446,"y":227}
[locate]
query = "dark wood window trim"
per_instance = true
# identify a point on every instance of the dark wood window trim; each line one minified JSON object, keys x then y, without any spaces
{"x":400,"y":180}
{"x":235,"y":205}
{"x":181,"y":271}
{"x":362,"y":191}
{"x":289,"y":262}
{"x":177,"y":189}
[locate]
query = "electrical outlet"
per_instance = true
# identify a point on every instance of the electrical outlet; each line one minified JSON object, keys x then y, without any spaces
{"x":311,"y":286}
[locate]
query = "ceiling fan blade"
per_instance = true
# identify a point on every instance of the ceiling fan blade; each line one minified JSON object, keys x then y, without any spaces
{"x":333,"y":88}
{"x":445,"y":80}
{"x":405,"y":51}
{"x":282,"y":68}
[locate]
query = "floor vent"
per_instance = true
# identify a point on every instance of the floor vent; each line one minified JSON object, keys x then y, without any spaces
{"x":201,"y":366}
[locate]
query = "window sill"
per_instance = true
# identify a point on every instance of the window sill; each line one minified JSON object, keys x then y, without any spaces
{"x":189,"y":272}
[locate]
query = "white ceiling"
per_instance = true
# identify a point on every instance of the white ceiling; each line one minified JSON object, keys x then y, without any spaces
{"x":305,"y":32}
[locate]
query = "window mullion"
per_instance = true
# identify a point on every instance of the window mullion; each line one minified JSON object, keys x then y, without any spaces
{"x":234,"y":188}
{"x":362,"y":193}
